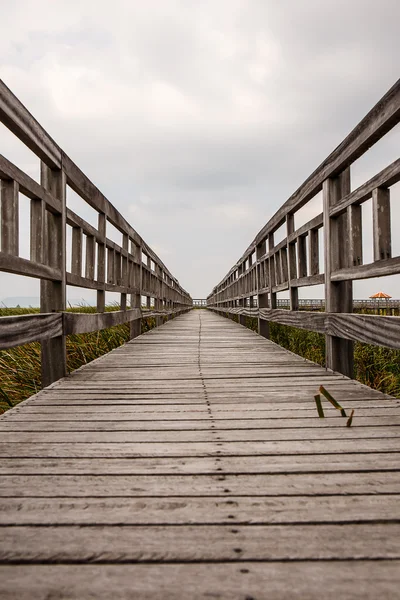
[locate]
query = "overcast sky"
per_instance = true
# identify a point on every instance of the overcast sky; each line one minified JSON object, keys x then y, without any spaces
{"x":197,"y":118}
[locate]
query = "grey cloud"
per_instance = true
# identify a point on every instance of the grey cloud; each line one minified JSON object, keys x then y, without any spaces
{"x":199,"y":119}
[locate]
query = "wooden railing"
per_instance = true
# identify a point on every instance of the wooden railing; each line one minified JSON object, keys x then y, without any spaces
{"x":131,"y":268}
{"x":266,"y":268}
{"x":200,"y":302}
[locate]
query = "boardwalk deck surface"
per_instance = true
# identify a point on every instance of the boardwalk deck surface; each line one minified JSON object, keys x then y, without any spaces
{"x":191,"y":463}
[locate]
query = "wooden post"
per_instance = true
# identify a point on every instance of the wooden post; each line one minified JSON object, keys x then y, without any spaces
{"x":262,"y":297}
{"x":313,"y":252}
{"x":76,"y":258}
{"x":53,"y":293}
{"x":381,"y":223}
{"x":158,"y":298}
{"x":355,"y":225}
{"x":9,"y":217}
{"x":338,"y":295}
{"x":37,"y":229}
{"x":111,"y":266}
{"x":90,"y":257}
{"x":124,"y":270}
{"x":241,"y":318}
{"x":101,"y":263}
{"x":302,"y":256}
{"x":136,"y":325}
{"x":272,"y":280}
{"x":293,"y":291}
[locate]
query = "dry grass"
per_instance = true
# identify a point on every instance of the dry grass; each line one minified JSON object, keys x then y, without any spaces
{"x":20,"y":375}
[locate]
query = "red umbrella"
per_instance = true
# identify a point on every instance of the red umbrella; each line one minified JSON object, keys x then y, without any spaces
{"x":381,"y":295}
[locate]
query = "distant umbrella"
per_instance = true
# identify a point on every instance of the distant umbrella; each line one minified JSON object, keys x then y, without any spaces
{"x":381,"y":295}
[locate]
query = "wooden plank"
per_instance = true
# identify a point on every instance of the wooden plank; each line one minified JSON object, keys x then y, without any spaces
{"x":198,"y":443}
{"x":313,"y":252}
{"x":76,"y":259}
{"x":75,"y":220}
{"x":28,"y":268}
{"x":389,"y":266}
{"x":9,"y":217}
{"x":38,"y":218}
{"x":386,"y":178}
{"x":205,"y":510}
{"x":159,"y":424}
{"x":223,"y":580}
{"x":209,"y":543}
{"x":24,"y":329}
{"x":83,"y":323}
{"x":381,"y":224}
{"x":132,"y":450}
{"x":90,"y":257}
{"x":28,"y":186}
{"x":371,"y":329}
{"x":312,"y":225}
{"x":355,"y":233}
{"x":205,"y":465}
{"x":16,"y":117}
{"x":209,"y":435}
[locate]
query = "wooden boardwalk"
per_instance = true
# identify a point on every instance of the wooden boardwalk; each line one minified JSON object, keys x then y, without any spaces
{"x":190,"y":463}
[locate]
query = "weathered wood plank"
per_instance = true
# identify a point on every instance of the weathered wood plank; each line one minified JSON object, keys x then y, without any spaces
{"x":204,"y":510}
{"x":28,"y":268}
{"x":225,"y":580}
{"x":371,"y":329}
{"x":16,"y":117}
{"x":23,"y":329}
{"x":198,"y":442}
{"x":386,"y":178}
{"x":388,"y":266}
{"x":132,"y":450}
{"x":381,"y":224}
{"x":210,"y":543}
{"x":205,"y":465}
{"x":83,"y":323}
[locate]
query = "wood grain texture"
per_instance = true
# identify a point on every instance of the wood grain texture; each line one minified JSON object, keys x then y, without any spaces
{"x":24,"y":329}
{"x":83,"y":323}
{"x":197,"y":444}
{"x":28,"y":268}
{"x":385,"y":178}
{"x":371,"y":329}
{"x":223,"y":580}
{"x":16,"y":117}
{"x":27,"y":186}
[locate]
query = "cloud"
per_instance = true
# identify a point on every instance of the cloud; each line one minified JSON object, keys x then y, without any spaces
{"x":198,"y":119}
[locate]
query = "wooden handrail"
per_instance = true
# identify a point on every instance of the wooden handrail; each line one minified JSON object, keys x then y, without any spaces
{"x":265,"y":268}
{"x":108,"y":266}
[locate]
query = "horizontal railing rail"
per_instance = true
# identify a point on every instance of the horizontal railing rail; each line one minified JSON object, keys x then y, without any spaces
{"x":266,"y":268}
{"x":131,"y":268}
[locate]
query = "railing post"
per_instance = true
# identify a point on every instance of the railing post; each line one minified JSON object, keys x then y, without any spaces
{"x":158,"y":299}
{"x":124,"y":269}
{"x":53,"y":293}
{"x":272,"y":273}
{"x":136,"y":325}
{"x":9,"y":217}
{"x":292,"y":265}
{"x":242,"y":318}
{"x":262,"y":298}
{"x":101,"y":263}
{"x":338,"y":295}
